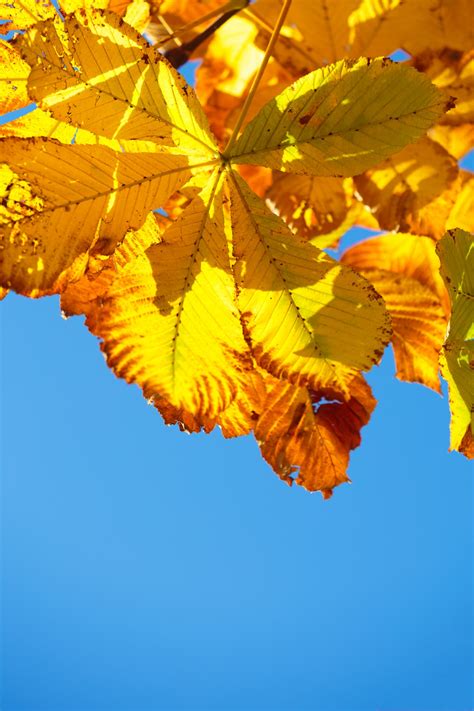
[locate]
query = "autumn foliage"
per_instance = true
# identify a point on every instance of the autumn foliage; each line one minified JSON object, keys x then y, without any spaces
{"x":194,"y":228}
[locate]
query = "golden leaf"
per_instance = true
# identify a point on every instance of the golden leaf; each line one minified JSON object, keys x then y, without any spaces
{"x":300,"y":433}
{"x":342,"y":119}
{"x":404,"y":269}
{"x":462,"y":213}
{"x":452,"y":71}
{"x":458,"y":140}
{"x":95,"y":72}
{"x":456,"y":253}
{"x":381,"y":26}
{"x":22,"y":14}
{"x":226,"y":317}
{"x":80,"y":296}
{"x":13,"y":76}
{"x":311,"y":206}
{"x":25,"y":13}
{"x":169,"y":322}
{"x":399,"y":187}
{"x":307,"y":318}
{"x":322,"y":35}
{"x":90,"y":197}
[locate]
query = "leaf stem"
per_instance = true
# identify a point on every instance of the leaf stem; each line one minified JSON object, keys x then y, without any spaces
{"x":258,"y":77}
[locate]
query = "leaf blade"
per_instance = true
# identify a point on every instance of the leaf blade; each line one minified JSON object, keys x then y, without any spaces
{"x":342,"y":119}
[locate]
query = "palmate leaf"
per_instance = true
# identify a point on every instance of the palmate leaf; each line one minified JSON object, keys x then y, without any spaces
{"x":227,"y":295}
{"x":188,"y":319}
{"x":456,"y":253}
{"x":294,"y":429}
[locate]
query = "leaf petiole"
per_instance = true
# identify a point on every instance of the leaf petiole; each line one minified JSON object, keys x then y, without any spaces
{"x":258,"y":77}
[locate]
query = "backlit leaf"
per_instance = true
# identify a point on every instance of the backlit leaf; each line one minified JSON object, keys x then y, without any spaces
{"x":382,"y":26}
{"x":454,"y":72}
{"x":458,"y":140}
{"x":96,"y":72}
{"x":342,"y":119}
{"x":400,"y":186}
{"x":462,"y":213}
{"x":87,"y":199}
{"x":13,"y":76}
{"x":404,"y":270}
{"x":456,"y":253}
{"x":307,"y":440}
{"x":307,"y":318}
{"x":169,"y":322}
{"x":311,"y":205}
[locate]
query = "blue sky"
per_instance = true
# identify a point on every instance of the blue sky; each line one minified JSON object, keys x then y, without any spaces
{"x":148,"y":570}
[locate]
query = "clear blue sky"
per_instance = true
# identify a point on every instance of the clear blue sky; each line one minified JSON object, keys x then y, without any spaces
{"x":148,"y":570}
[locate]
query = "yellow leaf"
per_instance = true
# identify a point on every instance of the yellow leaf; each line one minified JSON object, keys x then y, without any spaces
{"x":404,"y":269}
{"x":462,"y":213}
{"x":454,"y":72}
{"x":403,"y":184}
{"x":342,"y":119}
{"x":408,"y":255}
{"x":224,"y":77}
{"x":298,"y":433}
{"x":381,"y":26}
{"x":169,"y":321}
{"x":311,"y":206}
{"x":458,"y":140}
{"x":249,"y":403}
{"x":97,"y":73}
{"x":372,"y":32}
{"x":323,"y":27}
{"x":456,"y":253}
{"x":13,"y":76}
{"x":307,"y":318}
{"x":25,"y":13}
{"x":90,"y":196}
{"x":80,"y":296}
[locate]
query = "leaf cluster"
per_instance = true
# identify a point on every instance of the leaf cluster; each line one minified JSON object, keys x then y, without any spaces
{"x":194,"y":228}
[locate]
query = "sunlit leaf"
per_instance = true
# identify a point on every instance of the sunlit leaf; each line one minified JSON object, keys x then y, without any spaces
{"x":97,"y":73}
{"x":458,"y":140}
{"x":382,"y":26}
{"x":454,"y":72}
{"x":400,"y":186}
{"x":404,"y":269}
{"x":456,"y":253}
{"x":462,"y":213}
{"x":80,"y":296}
{"x":170,"y":323}
{"x":308,"y":440}
{"x":342,"y":119}
{"x":87,"y":199}
{"x":13,"y":76}
{"x":311,"y":205}
{"x":307,"y":318}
